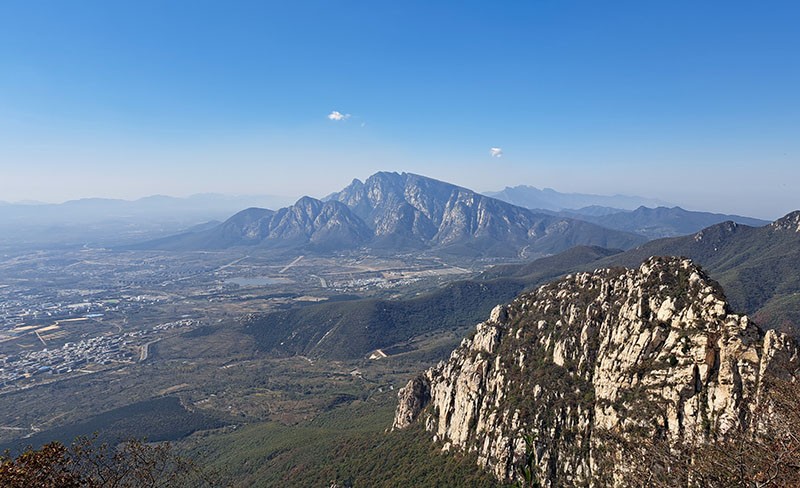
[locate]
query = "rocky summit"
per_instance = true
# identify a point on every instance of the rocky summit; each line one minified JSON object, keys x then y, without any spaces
{"x":406,"y":209}
{"x":549,"y":377}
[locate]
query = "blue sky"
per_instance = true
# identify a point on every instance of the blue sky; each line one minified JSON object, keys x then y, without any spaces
{"x":691,"y":102}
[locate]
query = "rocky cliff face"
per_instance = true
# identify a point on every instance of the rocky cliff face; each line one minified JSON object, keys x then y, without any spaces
{"x":650,"y":350}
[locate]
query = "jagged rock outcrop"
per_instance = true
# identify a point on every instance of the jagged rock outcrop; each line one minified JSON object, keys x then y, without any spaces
{"x":654,"y":350}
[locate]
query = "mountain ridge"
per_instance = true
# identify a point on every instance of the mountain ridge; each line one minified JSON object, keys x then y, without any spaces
{"x":407,"y":211}
{"x":659,"y":222}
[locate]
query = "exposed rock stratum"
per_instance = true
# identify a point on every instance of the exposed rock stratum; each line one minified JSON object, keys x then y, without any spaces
{"x":653,"y":350}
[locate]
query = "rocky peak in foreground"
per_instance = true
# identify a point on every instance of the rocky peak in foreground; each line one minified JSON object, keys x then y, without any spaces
{"x":653,"y":350}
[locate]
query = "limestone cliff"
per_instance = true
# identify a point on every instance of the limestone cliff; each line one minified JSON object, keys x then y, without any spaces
{"x":655,"y":349}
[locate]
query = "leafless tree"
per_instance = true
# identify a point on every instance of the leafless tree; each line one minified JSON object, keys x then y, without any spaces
{"x":87,"y":463}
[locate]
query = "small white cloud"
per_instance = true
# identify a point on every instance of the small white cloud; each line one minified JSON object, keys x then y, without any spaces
{"x":337,"y":116}
{"x":496,"y":152}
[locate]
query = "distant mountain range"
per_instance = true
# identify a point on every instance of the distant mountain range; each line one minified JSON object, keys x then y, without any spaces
{"x":648,"y":217}
{"x":387,"y":211}
{"x":206,"y":206}
{"x":403,"y":211}
{"x":549,"y":199}
{"x":655,"y":223}
{"x":108,"y":222}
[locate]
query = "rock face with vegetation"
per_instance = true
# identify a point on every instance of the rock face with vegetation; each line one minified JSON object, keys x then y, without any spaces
{"x":551,"y":378}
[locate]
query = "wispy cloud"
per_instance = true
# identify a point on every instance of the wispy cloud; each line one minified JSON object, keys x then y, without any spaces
{"x":338,"y":116}
{"x":496,"y":152}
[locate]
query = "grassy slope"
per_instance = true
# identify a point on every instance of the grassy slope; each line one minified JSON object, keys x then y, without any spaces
{"x":354,"y":328}
{"x":159,"y":419}
{"x":349,"y":445}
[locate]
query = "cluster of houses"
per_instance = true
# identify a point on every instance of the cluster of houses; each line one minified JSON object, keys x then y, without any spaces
{"x":70,"y":357}
{"x":73,"y":356}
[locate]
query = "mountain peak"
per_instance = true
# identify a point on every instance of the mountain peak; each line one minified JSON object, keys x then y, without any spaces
{"x":790,"y":222}
{"x":307,"y":200}
{"x":409,"y":211}
{"x":717,"y":231}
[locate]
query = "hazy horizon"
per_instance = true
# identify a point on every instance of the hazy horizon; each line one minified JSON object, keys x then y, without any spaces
{"x":288,"y":199}
{"x":278,"y":201}
{"x":689,"y":103}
